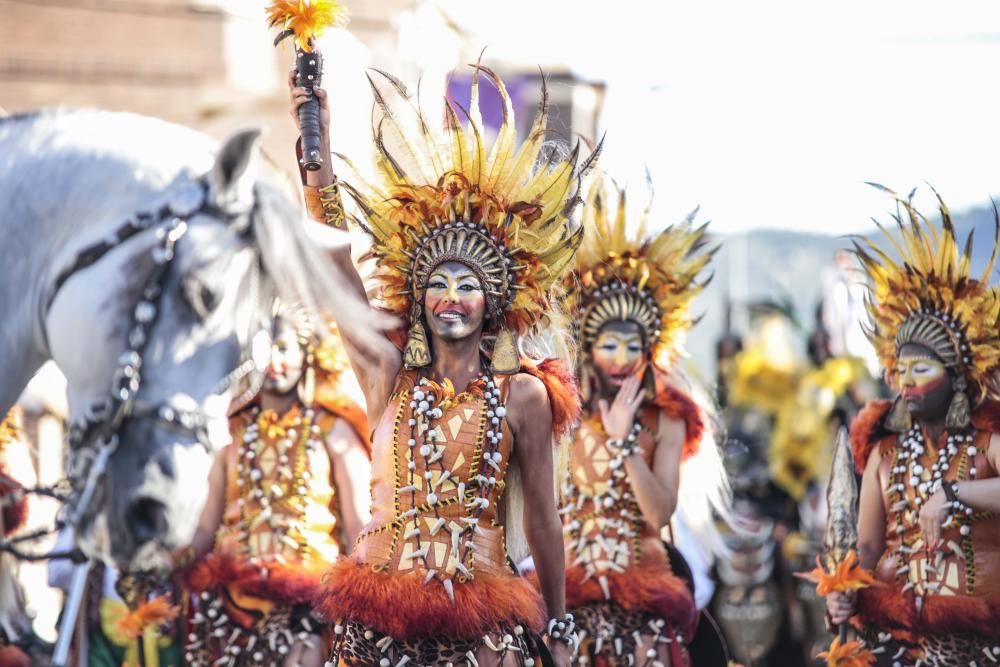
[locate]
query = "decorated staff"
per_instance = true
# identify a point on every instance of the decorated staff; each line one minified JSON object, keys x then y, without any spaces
{"x":837,"y":569}
{"x":306,"y":20}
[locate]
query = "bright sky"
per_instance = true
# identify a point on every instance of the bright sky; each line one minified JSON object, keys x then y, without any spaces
{"x":774,"y":113}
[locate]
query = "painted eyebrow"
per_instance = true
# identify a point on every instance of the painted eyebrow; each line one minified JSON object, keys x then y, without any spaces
{"x":625,"y":338}
{"x":463,"y":276}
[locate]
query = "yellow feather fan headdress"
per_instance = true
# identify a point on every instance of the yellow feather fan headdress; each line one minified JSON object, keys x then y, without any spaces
{"x":928,"y":296}
{"x":306,"y":20}
{"x":503,"y":210}
{"x":651,"y":280}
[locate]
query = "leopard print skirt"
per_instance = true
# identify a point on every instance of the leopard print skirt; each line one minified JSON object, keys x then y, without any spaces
{"x":357,"y":645}
{"x":216,"y":639}
{"x":610,"y":635}
{"x":966,"y":648}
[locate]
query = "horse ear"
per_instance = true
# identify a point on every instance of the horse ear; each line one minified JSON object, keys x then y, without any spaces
{"x":235,"y":170}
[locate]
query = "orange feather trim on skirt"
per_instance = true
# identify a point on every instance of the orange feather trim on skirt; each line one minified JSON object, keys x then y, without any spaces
{"x":645,"y":589}
{"x":400,"y":605}
{"x":268,"y":580}
{"x":889,"y":609}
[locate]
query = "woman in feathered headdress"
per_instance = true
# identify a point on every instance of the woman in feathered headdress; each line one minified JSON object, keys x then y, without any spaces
{"x":930,"y":491}
{"x":287,"y":497}
{"x":470,"y":243}
{"x":645,"y":438}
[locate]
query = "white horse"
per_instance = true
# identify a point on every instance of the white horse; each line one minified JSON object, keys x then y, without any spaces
{"x":145,"y":314}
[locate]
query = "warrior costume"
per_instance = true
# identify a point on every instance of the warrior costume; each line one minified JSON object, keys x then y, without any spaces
{"x":938,"y":604}
{"x":430,"y":581}
{"x":619,"y":580}
{"x":252,"y":595}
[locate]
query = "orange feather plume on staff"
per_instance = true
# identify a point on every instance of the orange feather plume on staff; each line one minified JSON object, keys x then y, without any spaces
{"x":307,"y":20}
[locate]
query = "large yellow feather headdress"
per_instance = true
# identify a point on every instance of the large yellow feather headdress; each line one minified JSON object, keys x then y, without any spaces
{"x":503,"y":210}
{"x":929,"y":297}
{"x":650,"y":280}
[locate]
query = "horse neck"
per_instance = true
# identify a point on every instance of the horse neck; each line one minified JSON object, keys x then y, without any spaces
{"x":69,"y":179}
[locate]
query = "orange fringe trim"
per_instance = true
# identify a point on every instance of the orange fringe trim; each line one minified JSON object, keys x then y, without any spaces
{"x":867,"y":431}
{"x":889,"y":609}
{"x":564,"y":397}
{"x":847,"y":576}
{"x":281,"y":584}
{"x":653,"y":590}
{"x":987,"y":417}
{"x":400,"y":605}
{"x":155,"y":612}
{"x":678,"y":405}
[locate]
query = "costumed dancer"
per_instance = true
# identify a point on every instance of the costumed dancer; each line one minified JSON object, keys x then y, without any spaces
{"x":930,"y":493}
{"x":470,"y":244}
{"x":644,"y":439}
{"x":286,"y":498}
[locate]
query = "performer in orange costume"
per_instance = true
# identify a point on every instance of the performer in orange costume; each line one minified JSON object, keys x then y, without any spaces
{"x":641,"y":426}
{"x":287,"y":498}
{"x":928,"y":523}
{"x":471,"y":244}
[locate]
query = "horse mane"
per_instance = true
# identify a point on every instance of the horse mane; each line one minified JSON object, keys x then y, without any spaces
{"x":125,"y":141}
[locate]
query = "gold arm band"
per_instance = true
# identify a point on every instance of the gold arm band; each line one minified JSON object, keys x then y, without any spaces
{"x":325,"y":205}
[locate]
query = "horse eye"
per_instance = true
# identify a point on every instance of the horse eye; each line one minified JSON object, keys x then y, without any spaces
{"x":201,"y":297}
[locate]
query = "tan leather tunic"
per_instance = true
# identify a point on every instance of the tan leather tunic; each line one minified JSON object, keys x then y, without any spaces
{"x":595,"y":537}
{"x":965,"y":565}
{"x":408,"y":532}
{"x":280,"y":496}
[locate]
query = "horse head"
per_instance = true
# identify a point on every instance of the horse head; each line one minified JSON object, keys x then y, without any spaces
{"x":176,"y":304}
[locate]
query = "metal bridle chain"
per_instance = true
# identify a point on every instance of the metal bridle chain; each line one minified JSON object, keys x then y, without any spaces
{"x":103,"y":418}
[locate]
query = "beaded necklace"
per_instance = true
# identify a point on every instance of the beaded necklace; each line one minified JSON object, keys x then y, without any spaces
{"x":290,"y":485}
{"x":907,"y":469}
{"x":626,"y":523}
{"x":473,"y":493}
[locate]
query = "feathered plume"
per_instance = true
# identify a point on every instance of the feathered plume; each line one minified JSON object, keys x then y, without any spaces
{"x":661,"y":273}
{"x":930,"y":277}
{"x":307,"y":20}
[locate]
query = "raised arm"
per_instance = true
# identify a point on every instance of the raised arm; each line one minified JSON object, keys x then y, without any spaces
{"x":352,"y":473}
{"x":376,"y":365}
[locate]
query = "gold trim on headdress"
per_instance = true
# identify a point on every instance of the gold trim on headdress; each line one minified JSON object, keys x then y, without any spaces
{"x":650,"y":280}
{"x":928,"y":297}
{"x":504,"y":211}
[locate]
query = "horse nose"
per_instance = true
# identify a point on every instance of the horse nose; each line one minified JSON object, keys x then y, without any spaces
{"x":147,"y":519}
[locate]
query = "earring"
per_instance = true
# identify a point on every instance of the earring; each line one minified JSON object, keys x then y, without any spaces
{"x":898,"y":420}
{"x":959,"y":412}
{"x":417,"y":353}
{"x":506,"y":360}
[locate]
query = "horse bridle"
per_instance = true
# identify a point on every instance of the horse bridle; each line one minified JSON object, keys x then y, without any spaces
{"x":97,"y":434}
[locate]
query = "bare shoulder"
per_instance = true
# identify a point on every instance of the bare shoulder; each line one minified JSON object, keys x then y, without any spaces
{"x":993,"y":451}
{"x":527,"y":391}
{"x":672,"y":430}
{"x":527,"y":400}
